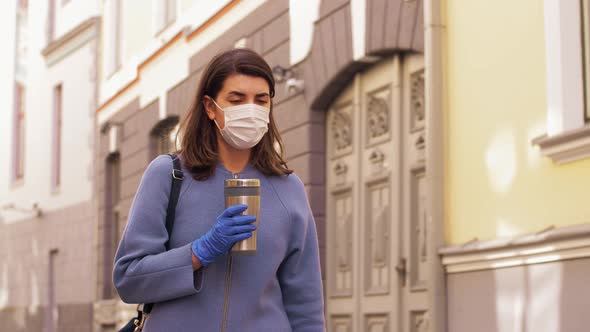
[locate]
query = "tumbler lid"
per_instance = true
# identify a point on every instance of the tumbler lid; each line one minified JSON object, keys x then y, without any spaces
{"x":242,"y":183}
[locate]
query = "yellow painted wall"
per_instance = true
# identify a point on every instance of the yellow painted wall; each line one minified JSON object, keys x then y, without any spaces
{"x":496,"y":183}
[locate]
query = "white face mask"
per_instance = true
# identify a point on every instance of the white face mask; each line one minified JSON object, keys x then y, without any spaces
{"x":245,"y":125}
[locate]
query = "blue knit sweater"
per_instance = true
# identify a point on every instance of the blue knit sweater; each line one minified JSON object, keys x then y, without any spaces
{"x":277,"y":289}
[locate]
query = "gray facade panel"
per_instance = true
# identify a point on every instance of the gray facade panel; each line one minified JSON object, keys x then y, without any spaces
{"x":25,"y":249}
{"x":245,"y":28}
{"x":132,"y":145}
{"x":541,"y":297}
{"x":381,"y":20}
{"x":343,"y":50}
{"x":304,"y":139}
{"x":328,"y":33}
{"x":310,"y":168}
{"x":409,"y":16}
{"x":279,"y":56}
{"x":328,"y":6}
{"x":181,"y":97}
{"x":276,"y":32}
{"x":294,"y":113}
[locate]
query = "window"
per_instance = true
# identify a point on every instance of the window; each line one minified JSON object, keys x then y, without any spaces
{"x":567,"y":58}
{"x":21,"y":40}
{"x":165,"y":11}
{"x":19,"y":104}
{"x":19,"y":132}
{"x":113,"y":27}
{"x":51,"y":21}
{"x":112,"y":222}
{"x":57,"y":128}
{"x":163,"y":137}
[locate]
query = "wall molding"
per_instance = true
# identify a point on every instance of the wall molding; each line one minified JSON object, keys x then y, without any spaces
{"x":567,"y":147}
{"x":71,"y":41}
{"x":550,"y":245}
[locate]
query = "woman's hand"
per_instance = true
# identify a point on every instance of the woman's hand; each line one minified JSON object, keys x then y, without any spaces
{"x":230,"y":228}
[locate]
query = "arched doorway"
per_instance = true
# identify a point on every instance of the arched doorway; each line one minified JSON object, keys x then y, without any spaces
{"x":376,"y":247}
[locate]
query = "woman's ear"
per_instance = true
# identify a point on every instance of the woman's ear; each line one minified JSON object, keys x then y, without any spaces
{"x":209,"y":107}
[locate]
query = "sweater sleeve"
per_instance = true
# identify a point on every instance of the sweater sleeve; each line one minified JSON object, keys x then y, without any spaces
{"x":300,"y":273}
{"x":144,"y":271}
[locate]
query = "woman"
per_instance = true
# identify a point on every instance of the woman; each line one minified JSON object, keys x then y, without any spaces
{"x":229,"y":132}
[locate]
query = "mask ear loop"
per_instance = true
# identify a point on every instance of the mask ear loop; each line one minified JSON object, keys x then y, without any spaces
{"x":216,"y":124}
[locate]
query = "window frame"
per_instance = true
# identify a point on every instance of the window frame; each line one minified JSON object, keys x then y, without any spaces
{"x":114,"y":32}
{"x":164,"y":15}
{"x":568,"y":131}
{"x":19,"y":132}
{"x":57,"y":137}
{"x":51,"y":13}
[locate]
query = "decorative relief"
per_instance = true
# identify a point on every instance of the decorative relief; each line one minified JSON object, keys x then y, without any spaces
{"x":377,"y":239}
{"x":417,"y":107}
{"x":420,"y":321}
{"x":380,"y":236}
{"x":420,"y":147}
{"x":377,"y":160}
{"x":378,"y":115}
{"x":341,"y":130}
{"x":376,"y":323}
{"x":378,"y":112}
{"x":417,"y":147}
{"x":342,"y":257}
{"x":340,"y":170}
{"x":343,"y":243}
{"x":419,"y":236}
{"x":341,"y":323}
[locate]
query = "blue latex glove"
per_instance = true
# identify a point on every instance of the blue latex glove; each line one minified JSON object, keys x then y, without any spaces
{"x":230,"y":228}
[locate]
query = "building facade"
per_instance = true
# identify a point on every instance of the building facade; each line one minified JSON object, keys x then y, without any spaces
{"x":49,"y":95}
{"x":351,"y":108}
{"x":444,"y":147}
{"x":516,"y":165}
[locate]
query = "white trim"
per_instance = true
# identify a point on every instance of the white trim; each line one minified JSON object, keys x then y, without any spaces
{"x":162,"y":110}
{"x":569,"y":151}
{"x":358,"y":19}
{"x":563,"y":51}
{"x":190,"y":21}
{"x":114,"y":134}
{"x":71,"y":45}
{"x":518,"y":256}
{"x":302,"y":16}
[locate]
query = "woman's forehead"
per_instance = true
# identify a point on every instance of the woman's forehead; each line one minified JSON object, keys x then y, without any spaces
{"x":245,"y":85}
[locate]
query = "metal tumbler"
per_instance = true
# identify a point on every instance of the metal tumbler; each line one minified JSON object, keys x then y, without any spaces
{"x":244,"y":191}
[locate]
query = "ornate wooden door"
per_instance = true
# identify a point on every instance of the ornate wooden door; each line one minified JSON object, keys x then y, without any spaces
{"x":375,"y":200}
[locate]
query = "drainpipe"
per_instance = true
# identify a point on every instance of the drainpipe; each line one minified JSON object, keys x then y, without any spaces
{"x":434,"y":30}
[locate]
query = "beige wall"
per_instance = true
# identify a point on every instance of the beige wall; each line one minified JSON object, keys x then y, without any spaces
{"x":496,"y":183}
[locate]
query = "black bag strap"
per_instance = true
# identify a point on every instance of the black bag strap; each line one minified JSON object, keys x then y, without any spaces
{"x":177,"y":177}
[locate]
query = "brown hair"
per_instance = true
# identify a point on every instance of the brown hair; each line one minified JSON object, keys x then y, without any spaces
{"x":199,"y":134}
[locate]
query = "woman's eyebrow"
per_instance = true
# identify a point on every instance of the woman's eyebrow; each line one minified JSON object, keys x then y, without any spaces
{"x":241,"y":94}
{"x":237,"y":93}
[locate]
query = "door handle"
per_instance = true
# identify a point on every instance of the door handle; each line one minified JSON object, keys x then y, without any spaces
{"x":402,"y":270}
